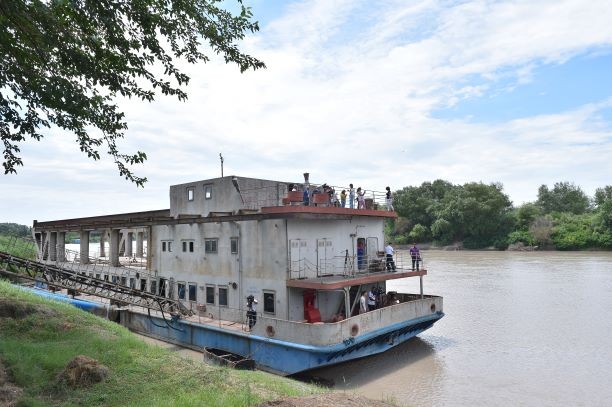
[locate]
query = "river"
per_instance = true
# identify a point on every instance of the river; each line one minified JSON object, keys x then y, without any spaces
{"x":520,"y":329}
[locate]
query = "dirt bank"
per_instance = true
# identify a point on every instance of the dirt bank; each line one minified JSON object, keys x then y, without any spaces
{"x":325,"y":400}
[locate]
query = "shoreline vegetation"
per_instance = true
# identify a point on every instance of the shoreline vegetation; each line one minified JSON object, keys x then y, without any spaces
{"x":481,"y":216}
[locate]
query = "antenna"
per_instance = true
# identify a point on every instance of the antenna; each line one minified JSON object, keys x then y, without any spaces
{"x":221,"y":158}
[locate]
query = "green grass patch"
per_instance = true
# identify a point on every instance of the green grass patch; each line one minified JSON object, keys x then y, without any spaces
{"x":42,"y":336}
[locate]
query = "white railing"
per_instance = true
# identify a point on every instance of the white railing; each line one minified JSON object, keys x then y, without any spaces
{"x":352,"y":265}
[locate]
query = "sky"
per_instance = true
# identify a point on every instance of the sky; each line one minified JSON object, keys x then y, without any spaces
{"x":389,"y":93}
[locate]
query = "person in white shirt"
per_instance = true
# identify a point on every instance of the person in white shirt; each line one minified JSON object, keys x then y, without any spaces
{"x":389,"y":199}
{"x":390,"y":262}
{"x":363,"y":305}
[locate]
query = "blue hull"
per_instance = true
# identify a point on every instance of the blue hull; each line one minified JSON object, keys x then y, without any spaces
{"x":89,"y":306}
{"x":280,"y":357}
{"x":274,"y":355}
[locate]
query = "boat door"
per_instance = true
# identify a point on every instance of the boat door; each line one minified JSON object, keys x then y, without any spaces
{"x":325,"y":256}
{"x":297,"y":250}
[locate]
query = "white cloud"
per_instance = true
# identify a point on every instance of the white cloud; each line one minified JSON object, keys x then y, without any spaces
{"x":348,"y":95}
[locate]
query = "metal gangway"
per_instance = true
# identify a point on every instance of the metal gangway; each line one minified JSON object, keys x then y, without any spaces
{"x":19,"y":260}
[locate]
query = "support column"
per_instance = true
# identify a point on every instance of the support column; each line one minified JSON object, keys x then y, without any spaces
{"x":128,"y":244}
{"x":139,"y":245}
{"x":44,"y":253}
{"x":39,"y":244}
{"x":113,"y":251}
{"x":84,"y":247}
{"x":52,"y":246}
{"x":102,"y":243}
{"x":61,"y":246}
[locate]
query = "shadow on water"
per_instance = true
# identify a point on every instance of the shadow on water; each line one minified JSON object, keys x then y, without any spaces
{"x":361,"y":372}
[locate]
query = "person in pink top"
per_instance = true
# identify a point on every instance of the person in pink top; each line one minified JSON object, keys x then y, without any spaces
{"x":416,"y":256}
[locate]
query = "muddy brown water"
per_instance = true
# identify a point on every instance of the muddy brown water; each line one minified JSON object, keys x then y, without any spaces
{"x":530,"y":329}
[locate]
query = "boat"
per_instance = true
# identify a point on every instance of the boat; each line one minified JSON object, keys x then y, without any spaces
{"x":231,"y":248}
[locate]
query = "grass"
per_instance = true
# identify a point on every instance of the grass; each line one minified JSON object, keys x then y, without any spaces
{"x":18,"y":246}
{"x":36,"y":347}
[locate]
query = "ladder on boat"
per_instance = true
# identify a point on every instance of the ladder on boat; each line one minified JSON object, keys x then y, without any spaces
{"x":16,"y":261}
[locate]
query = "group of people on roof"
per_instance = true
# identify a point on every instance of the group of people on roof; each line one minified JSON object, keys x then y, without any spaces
{"x":354,"y":196}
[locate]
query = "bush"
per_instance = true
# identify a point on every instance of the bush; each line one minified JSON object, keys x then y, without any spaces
{"x":401,"y":239}
{"x":574,"y":232}
{"x":419,"y":233}
{"x":521,"y":236}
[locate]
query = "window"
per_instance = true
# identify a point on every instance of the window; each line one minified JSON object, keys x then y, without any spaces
{"x":190,"y":193}
{"x":124,"y":281}
{"x":268,"y":304}
{"x":207,"y":191}
{"x":234,"y":245}
{"x":193,"y":293}
{"x":223,"y":297}
{"x":98,"y":276}
{"x":210,"y":245}
{"x":114,"y":279}
{"x":143,"y":284}
{"x":210,"y":294}
{"x":132,"y":282}
{"x":162,"y":287}
{"x":188,"y":246}
{"x":163,"y":246}
{"x":167,"y":246}
{"x":153,"y":287}
{"x":181,"y":290}
{"x":105,"y":277}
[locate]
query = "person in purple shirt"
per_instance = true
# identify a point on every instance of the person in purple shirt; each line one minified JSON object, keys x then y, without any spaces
{"x":416,"y":256}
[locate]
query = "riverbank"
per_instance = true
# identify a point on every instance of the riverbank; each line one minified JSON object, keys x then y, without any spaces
{"x":38,"y":338}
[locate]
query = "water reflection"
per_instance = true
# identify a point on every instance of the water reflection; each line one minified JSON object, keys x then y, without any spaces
{"x":405,"y":370}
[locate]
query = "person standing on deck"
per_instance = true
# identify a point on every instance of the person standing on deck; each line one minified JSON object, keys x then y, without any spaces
{"x":416,"y":256}
{"x":251,"y":311}
{"x":389,"y":253}
{"x":389,"y":199}
{"x":371,"y":300}
{"x":351,"y":196}
{"x":363,"y":305}
{"x":360,"y":198}
{"x":343,"y":198}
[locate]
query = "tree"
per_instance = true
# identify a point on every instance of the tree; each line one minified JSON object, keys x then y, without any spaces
{"x":63,"y":62}
{"x":602,"y":195}
{"x":564,"y":197}
{"x":603,"y":200}
{"x":541,"y":230}
{"x":526,"y":214}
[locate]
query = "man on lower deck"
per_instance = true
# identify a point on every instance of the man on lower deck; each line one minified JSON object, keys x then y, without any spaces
{"x":389,"y":253}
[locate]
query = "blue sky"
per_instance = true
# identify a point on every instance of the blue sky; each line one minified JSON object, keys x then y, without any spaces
{"x":371,"y":93}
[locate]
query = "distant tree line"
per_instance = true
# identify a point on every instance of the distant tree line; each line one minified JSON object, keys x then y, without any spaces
{"x":481,"y":215}
{"x":13,"y":229}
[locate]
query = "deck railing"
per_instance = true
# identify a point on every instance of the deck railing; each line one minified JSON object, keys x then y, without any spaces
{"x":279,"y":195}
{"x":352,"y":265}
